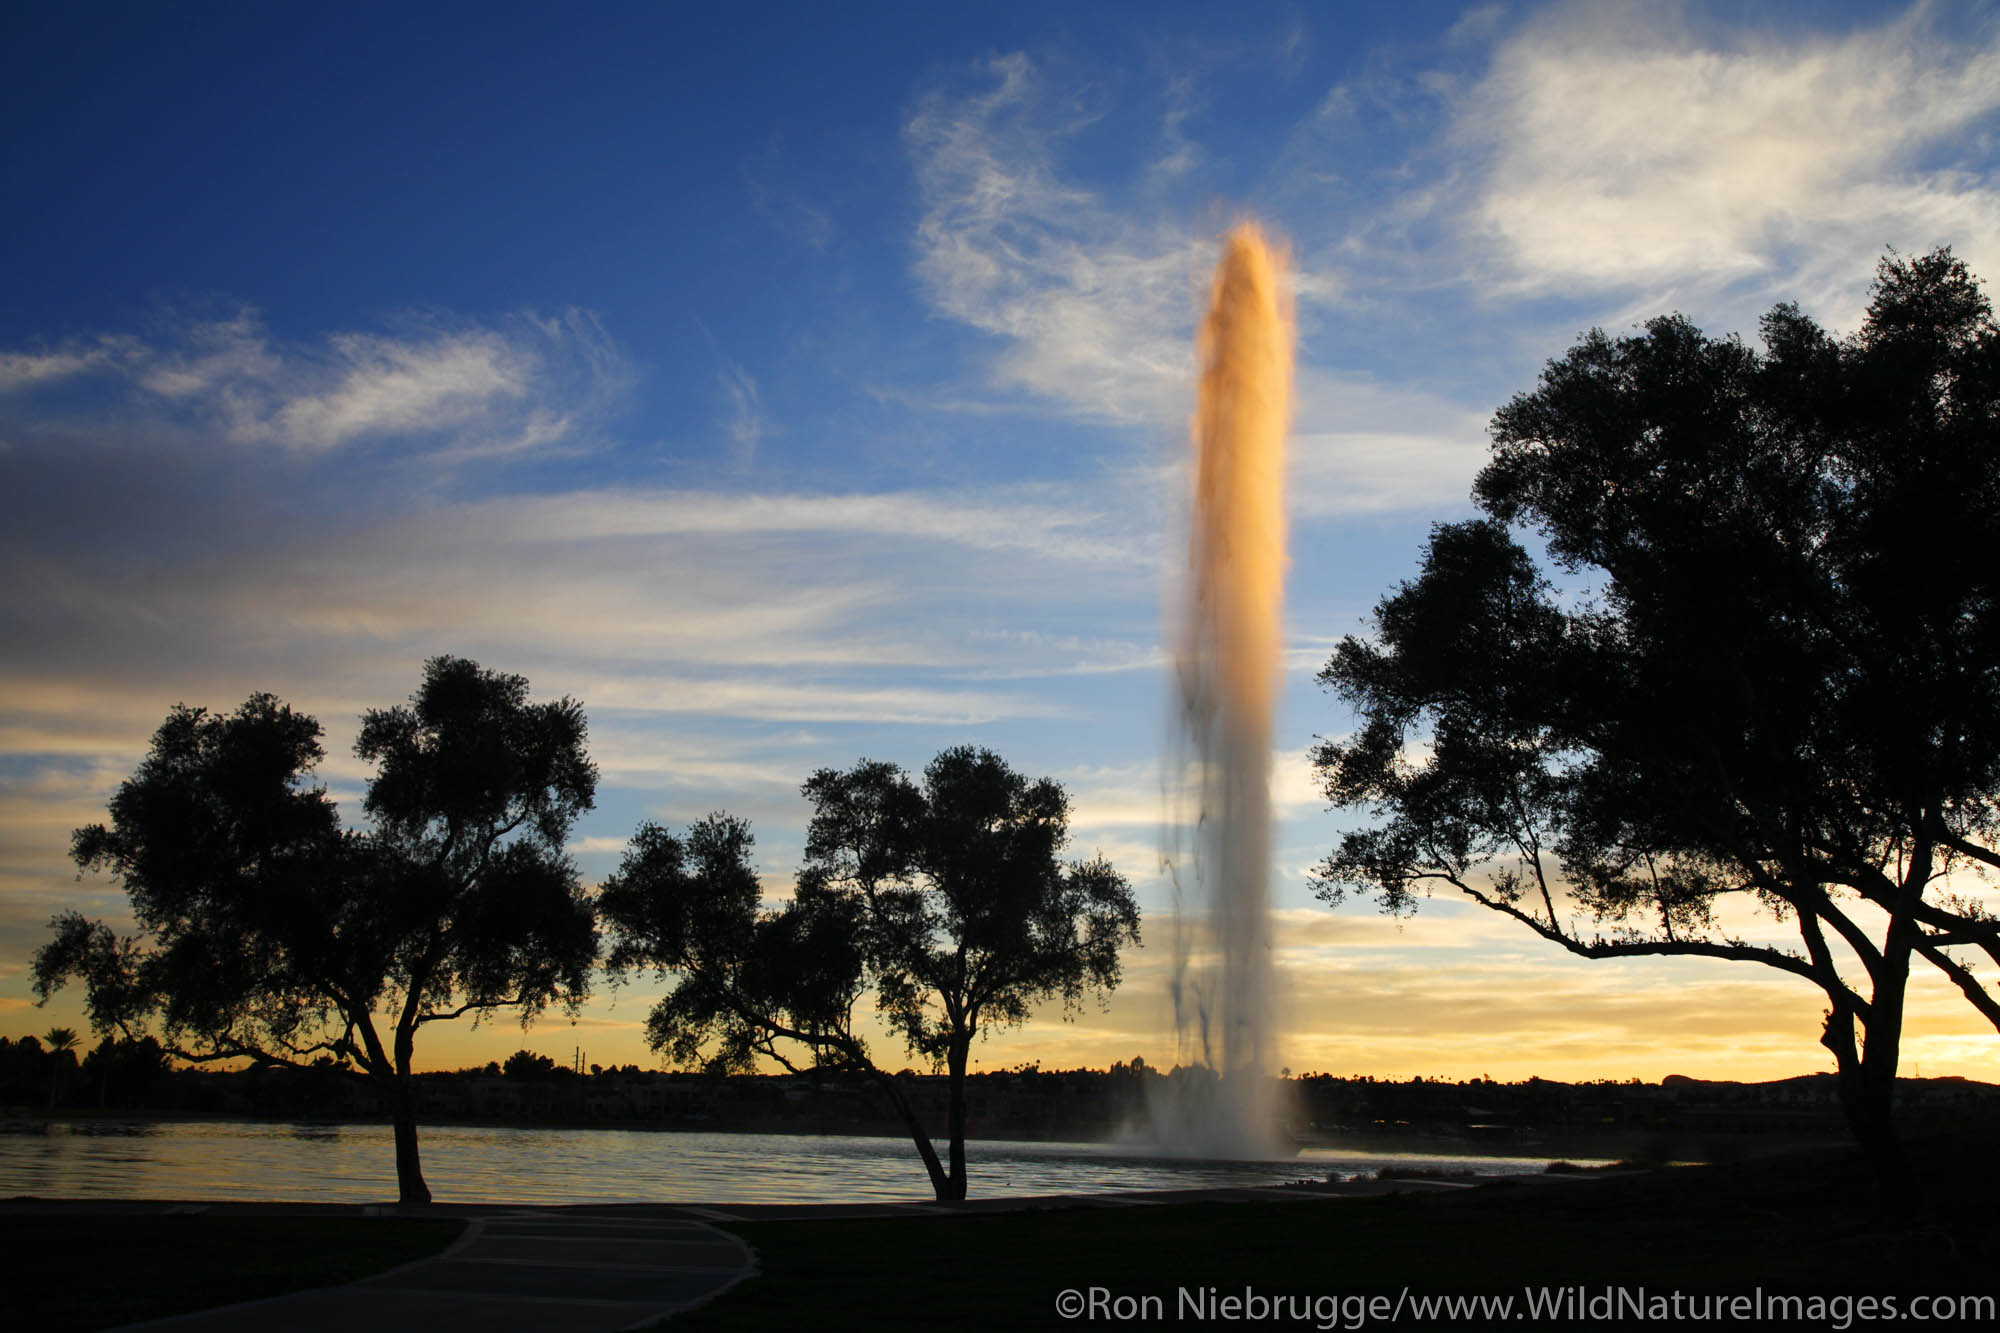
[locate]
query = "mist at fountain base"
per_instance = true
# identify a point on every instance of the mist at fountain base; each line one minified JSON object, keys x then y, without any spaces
{"x":1196,"y":1112}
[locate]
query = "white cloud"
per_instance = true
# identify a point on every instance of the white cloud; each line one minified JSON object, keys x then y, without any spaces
{"x":1131,"y":796}
{"x":747,"y":425}
{"x":597,"y":843}
{"x":787,"y":700}
{"x":1360,"y":446}
{"x":21,"y":370}
{"x":385,"y":386}
{"x":464,"y":391}
{"x":1094,"y":308}
{"x":645,"y":760}
{"x":1019,"y":519}
{"x":207,"y":356}
{"x":1054,"y":655}
{"x":1178,"y":154}
{"x":1615,"y":148}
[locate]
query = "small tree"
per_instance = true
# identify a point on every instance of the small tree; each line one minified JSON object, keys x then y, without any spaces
{"x":62,"y":1050}
{"x":129,"y":1069}
{"x":948,"y":900}
{"x":1783,"y":688}
{"x":269,"y":933}
{"x":529,"y":1067}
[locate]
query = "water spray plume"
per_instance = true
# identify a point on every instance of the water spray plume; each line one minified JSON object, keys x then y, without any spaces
{"x":1229,"y":664}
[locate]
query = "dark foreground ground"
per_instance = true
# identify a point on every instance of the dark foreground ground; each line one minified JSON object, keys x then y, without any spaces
{"x":83,"y":1271}
{"x":1805,"y":1225}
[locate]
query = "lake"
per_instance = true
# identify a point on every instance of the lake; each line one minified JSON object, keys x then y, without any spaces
{"x":355,"y":1163}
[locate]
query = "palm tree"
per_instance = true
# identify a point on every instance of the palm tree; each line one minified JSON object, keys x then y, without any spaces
{"x":62,"y":1050}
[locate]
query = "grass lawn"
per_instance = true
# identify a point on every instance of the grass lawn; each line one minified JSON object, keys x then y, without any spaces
{"x":95,"y":1272}
{"x":1797,"y":1225}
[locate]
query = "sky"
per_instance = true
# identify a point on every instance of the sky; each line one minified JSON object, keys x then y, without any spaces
{"x":806,"y":383}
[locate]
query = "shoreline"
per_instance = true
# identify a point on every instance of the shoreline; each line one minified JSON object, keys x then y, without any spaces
{"x":1653,"y":1146}
{"x":726,"y":1210}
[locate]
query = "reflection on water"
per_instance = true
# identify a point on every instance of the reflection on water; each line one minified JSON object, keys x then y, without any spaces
{"x":121,"y":1129}
{"x":350,"y":1163}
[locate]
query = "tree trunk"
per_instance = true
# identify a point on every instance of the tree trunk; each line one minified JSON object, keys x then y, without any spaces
{"x":1866,"y":1073}
{"x":940,"y":1182}
{"x":1881,"y":1054}
{"x":410,"y":1187}
{"x":1869,"y":1106}
{"x":955,"y":1122}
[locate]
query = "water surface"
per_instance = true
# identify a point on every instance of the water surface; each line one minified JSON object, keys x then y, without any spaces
{"x":355,"y":1163}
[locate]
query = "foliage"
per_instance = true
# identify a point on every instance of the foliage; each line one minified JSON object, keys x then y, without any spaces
{"x":530,"y":1066}
{"x":1781,"y":688}
{"x":268,"y":932}
{"x":948,"y":900}
{"x":745,"y":981}
{"x":970,"y":917}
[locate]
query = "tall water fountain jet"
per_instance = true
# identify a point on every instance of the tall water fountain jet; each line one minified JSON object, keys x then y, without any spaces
{"x":1229,"y":666}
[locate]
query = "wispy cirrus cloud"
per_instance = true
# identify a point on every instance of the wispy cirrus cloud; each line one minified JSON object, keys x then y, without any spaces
{"x":1028,"y":520}
{"x":680,"y":584}
{"x":456,"y":389}
{"x":773,"y":699}
{"x":24,"y":370}
{"x":1093,"y":306}
{"x":747,"y":423}
{"x":383,"y":386}
{"x":1361,"y":446}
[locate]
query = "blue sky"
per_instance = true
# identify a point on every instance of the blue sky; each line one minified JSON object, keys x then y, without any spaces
{"x":811,"y":382}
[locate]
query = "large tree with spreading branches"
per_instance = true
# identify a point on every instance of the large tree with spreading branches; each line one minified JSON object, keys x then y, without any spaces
{"x":1765,"y":667}
{"x":268,"y":933}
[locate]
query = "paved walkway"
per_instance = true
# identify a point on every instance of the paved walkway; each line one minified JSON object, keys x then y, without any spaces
{"x":525,"y":1269}
{"x":580,"y":1269}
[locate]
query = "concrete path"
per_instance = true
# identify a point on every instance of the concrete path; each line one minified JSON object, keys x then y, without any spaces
{"x":564,"y":1270}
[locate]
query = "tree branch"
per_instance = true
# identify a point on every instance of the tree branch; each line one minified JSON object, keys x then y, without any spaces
{"x":1603,"y":948}
{"x":436,"y":1017}
{"x":1961,"y":976}
{"x":1837,"y":991}
{"x":1969,"y":929}
{"x":236,"y":1049}
{"x":1819,"y":905}
{"x":1942,"y":832}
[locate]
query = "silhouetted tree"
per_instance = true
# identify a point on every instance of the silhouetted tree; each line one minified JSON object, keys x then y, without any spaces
{"x":22,"y":1067}
{"x":529,"y":1067}
{"x":126,"y":1070}
{"x":1774,"y":679}
{"x":62,"y":1050}
{"x":949,"y":900}
{"x":268,"y":932}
